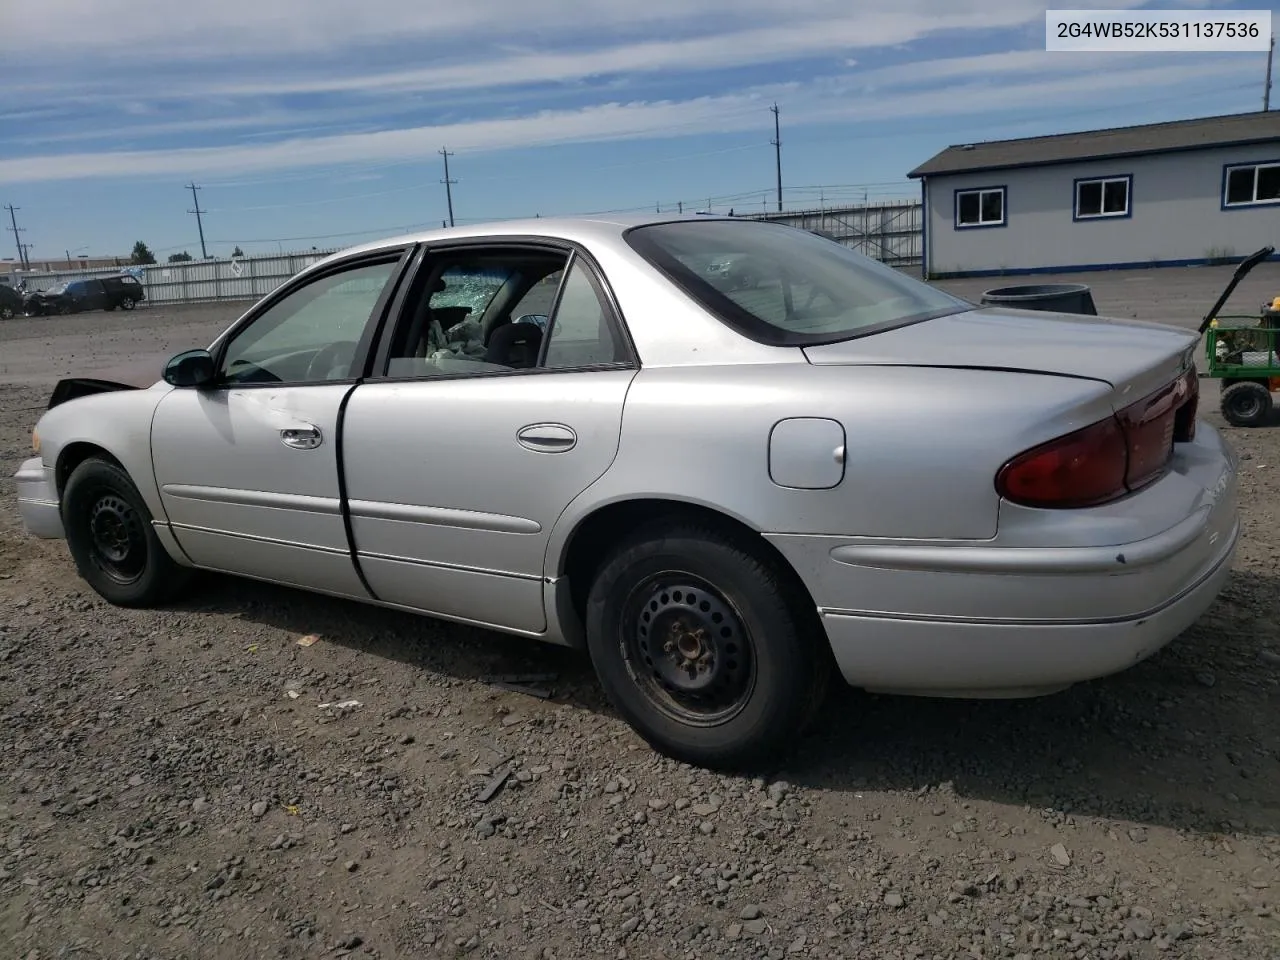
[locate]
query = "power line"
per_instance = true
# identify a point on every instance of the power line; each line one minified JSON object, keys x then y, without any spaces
{"x":448,"y":184}
{"x":777,"y":152}
{"x":204,"y":253}
{"x":17,"y":236}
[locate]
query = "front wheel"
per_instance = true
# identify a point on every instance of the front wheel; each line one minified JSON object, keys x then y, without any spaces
{"x":1246,"y":404}
{"x":109,"y":532}
{"x":702,"y":645}
{"x":6,"y":312}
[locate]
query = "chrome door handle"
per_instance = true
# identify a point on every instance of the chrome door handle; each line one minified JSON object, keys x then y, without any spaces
{"x":547,"y":437}
{"x":301,"y":438}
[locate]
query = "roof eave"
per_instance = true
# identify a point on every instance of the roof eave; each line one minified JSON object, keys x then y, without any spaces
{"x":922,"y":171}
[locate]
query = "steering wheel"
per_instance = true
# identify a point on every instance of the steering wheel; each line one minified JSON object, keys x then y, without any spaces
{"x":322,"y":363}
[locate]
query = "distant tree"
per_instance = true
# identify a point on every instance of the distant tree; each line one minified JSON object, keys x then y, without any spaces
{"x":237,"y":252}
{"x":141,"y":254}
{"x":180,"y":257}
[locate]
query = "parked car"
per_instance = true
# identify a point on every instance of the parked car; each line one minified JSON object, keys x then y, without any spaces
{"x":10,"y":302}
{"x":96,"y":293}
{"x":720,"y":496}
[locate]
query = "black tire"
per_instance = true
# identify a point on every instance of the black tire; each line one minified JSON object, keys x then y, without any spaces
{"x":127,"y":303}
{"x":744,"y":640}
{"x":109,"y":532}
{"x":6,"y":312}
{"x":1246,"y":404}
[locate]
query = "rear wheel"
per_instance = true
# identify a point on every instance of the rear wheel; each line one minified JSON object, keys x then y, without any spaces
{"x":1246,"y":404}
{"x":128,"y":303}
{"x":702,"y":645}
{"x":109,"y":532}
{"x":6,"y":312}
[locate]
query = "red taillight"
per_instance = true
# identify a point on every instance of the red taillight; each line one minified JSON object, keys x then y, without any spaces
{"x":1107,"y":459}
{"x":1082,"y":469}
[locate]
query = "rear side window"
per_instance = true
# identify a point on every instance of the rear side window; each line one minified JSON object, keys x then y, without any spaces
{"x":784,"y":286}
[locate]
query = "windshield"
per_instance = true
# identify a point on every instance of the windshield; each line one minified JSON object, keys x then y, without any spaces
{"x":781,"y":285}
{"x":58,"y":288}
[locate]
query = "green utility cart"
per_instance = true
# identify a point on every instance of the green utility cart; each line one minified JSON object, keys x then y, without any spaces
{"x":1241,"y":352}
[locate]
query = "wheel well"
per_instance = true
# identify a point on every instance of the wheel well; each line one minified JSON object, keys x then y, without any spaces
{"x":602,"y":530}
{"x":75,"y":454}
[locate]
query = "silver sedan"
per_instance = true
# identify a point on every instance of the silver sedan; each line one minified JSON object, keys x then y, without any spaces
{"x":725,"y":493}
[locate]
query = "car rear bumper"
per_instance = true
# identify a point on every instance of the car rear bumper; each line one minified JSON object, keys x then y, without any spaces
{"x":989,"y":619}
{"x":38,"y":500}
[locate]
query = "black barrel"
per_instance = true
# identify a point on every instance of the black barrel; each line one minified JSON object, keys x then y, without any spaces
{"x":1054,"y":297}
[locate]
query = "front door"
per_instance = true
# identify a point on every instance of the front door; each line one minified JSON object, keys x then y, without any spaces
{"x":248,"y":469}
{"x":459,"y":462}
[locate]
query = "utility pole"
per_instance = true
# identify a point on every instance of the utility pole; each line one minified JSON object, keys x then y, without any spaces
{"x":1266,"y":90}
{"x":204,"y":253}
{"x":24,"y":249}
{"x":448,"y":184}
{"x":777,"y":152}
{"x":17,"y":235}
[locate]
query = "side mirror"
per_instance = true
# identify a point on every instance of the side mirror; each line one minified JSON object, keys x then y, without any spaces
{"x":192,"y":368}
{"x":539,"y":320}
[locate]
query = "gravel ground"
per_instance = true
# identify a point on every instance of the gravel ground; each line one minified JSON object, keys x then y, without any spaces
{"x":189,"y":783}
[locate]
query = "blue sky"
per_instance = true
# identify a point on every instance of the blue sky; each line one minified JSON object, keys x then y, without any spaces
{"x":317,"y":122}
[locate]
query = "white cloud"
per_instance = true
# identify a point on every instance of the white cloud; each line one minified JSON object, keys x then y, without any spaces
{"x":279,"y":30}
{"x":831,"y":100}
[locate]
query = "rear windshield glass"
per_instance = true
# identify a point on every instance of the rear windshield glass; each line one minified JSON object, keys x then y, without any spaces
{"x":782,"y":285}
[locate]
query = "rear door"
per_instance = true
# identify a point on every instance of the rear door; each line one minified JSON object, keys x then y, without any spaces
{"x":248,"y":468}
{"x":93,"y":295}
{"x":470,"y":442}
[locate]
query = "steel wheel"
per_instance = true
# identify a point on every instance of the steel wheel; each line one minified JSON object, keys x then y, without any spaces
{"x":118,"y":543}
{"x":688,"y":649}
{"x":127,"y":303}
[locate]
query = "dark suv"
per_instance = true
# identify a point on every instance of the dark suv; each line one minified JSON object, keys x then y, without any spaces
{"x":10,"y":302}
{"x":98,"y":293}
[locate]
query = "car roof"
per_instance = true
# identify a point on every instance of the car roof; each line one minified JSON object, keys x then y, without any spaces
{"x":585,"y":229}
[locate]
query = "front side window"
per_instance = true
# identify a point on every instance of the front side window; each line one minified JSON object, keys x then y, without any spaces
{"x":980,"y":208}
{"x":312,"y":333}
{"x":790,"y":287}
{"x":1102,"y":197}
{"x":1252,"y":184}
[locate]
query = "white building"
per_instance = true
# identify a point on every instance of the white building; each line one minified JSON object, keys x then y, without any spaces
{"x":1165,"y":194}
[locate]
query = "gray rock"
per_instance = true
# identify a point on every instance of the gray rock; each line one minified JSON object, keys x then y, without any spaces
{"x":259,"y":809}
{"x":894,"y":901}
{"x":1139,"y":928}
{"x":750,"y":912}
{"x":1060,"y":855}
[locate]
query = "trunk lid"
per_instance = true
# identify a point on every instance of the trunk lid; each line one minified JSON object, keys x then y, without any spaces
{"x":1134,"y":357}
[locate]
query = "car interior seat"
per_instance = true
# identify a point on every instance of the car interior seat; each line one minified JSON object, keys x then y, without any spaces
{"x":514,"y":345}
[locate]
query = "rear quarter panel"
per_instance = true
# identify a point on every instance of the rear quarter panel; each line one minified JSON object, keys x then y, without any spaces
{"x":922,"y":445}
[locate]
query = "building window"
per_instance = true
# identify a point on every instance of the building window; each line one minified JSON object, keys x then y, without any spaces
{"x":1252,"y":183}
{"x":980,"y":208}
{"x":1100,"y":197}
